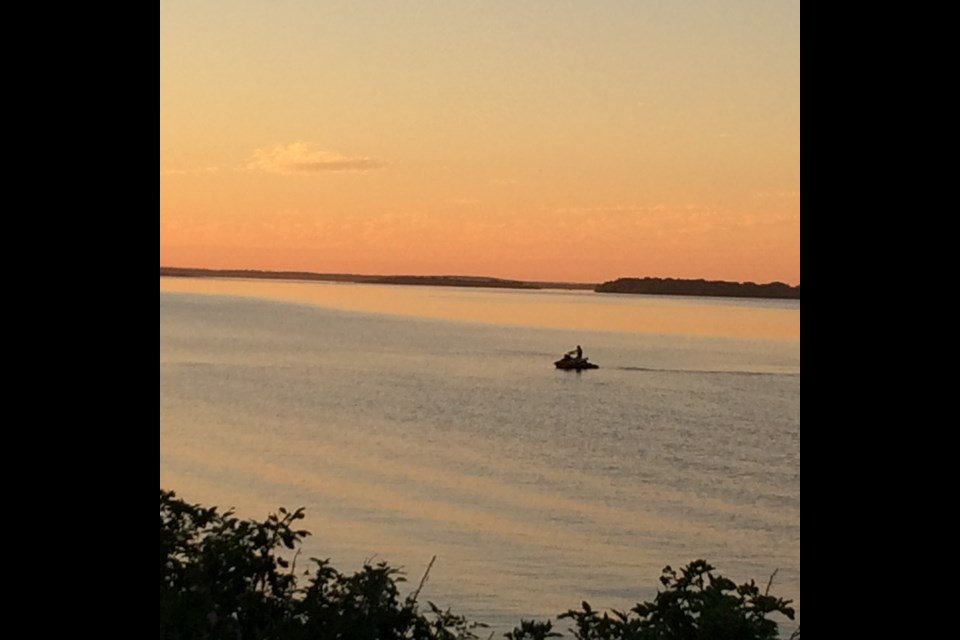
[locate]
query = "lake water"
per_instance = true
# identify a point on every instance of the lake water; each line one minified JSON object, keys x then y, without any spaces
{"x":414,"y":422}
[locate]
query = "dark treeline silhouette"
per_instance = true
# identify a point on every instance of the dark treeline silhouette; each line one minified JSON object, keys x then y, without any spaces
{"x":223,"y":578}
{"x":455,"y":281}
{"x":440,"y":281}
{"x":715,"y":288}
{"x":187,"y":272}
{"x":650,"y":286}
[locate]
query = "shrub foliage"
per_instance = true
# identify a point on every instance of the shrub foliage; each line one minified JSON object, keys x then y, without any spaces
{"x":226,"y":578}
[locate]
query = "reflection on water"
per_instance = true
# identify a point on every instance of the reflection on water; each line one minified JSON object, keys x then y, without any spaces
{"x":407,"y":432}
{"x":718,"y":317}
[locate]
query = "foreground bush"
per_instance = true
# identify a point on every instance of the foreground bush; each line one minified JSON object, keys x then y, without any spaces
{"x":226,"y":578}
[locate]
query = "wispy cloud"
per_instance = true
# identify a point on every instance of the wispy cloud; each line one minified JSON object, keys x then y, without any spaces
{"x":185,"y":172}
{"x":616,"y":209}
{"x":303,"y":158}
{"x":783,"y":195}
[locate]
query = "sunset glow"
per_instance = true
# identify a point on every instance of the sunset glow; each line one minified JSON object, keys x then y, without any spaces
{"x":538,"y":140}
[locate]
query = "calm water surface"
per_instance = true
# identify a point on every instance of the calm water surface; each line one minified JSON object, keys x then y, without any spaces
{"x":414,"y":422}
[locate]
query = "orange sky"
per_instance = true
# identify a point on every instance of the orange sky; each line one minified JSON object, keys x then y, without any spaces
{"x":540,"y":140}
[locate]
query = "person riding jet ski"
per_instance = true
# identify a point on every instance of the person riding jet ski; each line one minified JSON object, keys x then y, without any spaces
{"x":578,"y":353}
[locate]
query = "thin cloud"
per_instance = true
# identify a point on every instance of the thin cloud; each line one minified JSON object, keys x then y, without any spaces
{"x":464,"y":202}
{"x":186,"y":172}
{"x":615,"y":209}
{"x":783,"y":195}
{"x":301,"y":158}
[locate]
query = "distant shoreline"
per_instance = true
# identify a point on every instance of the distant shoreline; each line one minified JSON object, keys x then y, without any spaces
{"x":640,"y":286}
{"x":701,"y":288}
{"x":436,"y":281}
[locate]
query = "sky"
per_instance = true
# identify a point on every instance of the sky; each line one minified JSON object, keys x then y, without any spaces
{"x":552,"y":140}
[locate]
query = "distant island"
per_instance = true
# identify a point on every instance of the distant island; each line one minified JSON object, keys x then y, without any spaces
{"x":646,"y":286}
{"x":708,"y":288}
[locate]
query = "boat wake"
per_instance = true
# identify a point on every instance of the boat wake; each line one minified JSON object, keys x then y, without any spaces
{"x":785,"y":374}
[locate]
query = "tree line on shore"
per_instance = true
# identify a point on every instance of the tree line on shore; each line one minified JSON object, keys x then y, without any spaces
{"x":708,"y":288}
{"x":648,"y":286}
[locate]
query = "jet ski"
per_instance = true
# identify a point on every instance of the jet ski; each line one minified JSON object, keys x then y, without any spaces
{"x":570,"y":363}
